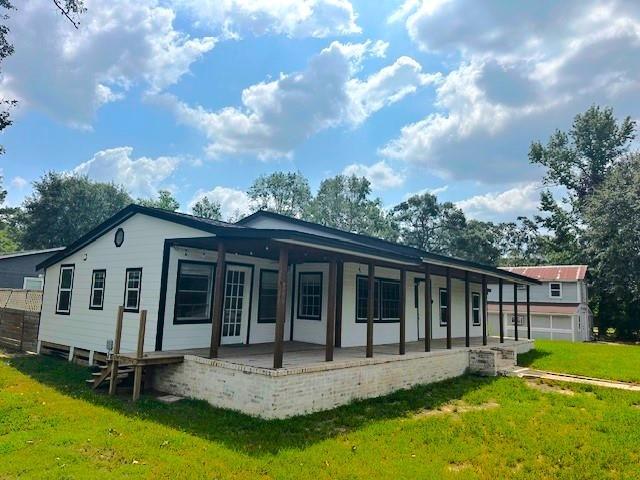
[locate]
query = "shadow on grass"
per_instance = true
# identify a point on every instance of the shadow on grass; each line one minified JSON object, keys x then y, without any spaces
{"x":241,"y":432}
{"x":527,"y":359}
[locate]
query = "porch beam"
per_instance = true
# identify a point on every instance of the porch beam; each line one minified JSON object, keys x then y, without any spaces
{"x":484,"y":309}
{"x":501,"y":310}
{"x":218,"y":300}
{"x":449,"y":308}
{"x":370,"y":308}
{"x":528,"y":313}
{"x":331,"y":310}
{"x":427,"y":308}
{"x":281,"y":306}
{"x":515,"y":311}
{"x":466,"y":310}
{"x":403,"y":305}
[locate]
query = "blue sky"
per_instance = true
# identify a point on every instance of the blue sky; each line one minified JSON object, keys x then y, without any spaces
{"x":202,"y":96}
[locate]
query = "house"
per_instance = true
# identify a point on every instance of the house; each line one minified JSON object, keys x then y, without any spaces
{"x":559,"y":306}
{"x":18,"y":270}
{"x":270,"y":315}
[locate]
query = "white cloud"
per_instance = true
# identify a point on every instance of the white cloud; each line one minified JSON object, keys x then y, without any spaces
{"x":293,"y":18}
{"x":433,"y":191}
{"x":18,"y":182}
{"x":233,"y":203}
{"x":277,"y":116}
{"x":141,"y":176}
{"x":517,"y":80}
{"x":507,"y":205}
{"x":380,"y":174}
{"x":70,"y":73}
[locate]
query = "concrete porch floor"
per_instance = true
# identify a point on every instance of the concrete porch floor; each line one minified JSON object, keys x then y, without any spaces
{"x":308,"y":355}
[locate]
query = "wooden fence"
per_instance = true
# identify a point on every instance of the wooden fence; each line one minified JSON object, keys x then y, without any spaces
{"x":19,"y":329}
{"x":19,"y":318}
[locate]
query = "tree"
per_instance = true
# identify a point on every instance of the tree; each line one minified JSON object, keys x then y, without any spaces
{"x":343,"y":202}
{"x":520,"y":242}
{"x":8,"y":242}
{"x":286,"y":193}
{"x":205,"y":208}
{"x":165,"y":201}
{"x":64,"y":207}
{"x":613,"y":244}
{"x":580,"y":159}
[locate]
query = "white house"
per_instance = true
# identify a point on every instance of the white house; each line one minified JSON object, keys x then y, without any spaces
{"x":559,"y":306}
{"x":285,"y":285}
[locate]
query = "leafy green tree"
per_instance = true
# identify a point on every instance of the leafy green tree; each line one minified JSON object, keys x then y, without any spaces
{"x":64,"y":207}
{"x":613,"y":243}
{"x":206,"y":208}
{"x":8,"y":241}
{"x":165,"y":201}
{"x":286,"y":193}
{"x":344,"y":202}
{"x":521,"y":243}
{"x":580,"y":159}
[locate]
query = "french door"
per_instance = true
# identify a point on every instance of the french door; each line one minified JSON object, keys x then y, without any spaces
{"x":235,"y":316}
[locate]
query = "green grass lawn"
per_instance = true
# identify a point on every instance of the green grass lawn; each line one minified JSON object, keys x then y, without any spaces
{"x":601,"y":360}
{"x":53,"y":426}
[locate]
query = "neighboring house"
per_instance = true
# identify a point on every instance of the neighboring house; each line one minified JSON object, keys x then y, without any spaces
{"x":18,"y":270}
{"x":287,"y":285}
{"x":559,"y":306}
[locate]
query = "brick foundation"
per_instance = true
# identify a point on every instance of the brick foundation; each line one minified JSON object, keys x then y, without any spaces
{"x":287,"y":392}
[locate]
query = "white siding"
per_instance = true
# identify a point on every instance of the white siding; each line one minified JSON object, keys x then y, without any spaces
{"x":90,"y":329}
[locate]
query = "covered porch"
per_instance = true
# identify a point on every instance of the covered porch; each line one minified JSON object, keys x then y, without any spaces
{"x":353,"y":323}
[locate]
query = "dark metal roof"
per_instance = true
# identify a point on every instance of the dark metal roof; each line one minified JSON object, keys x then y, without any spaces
{"x":363,"y":244}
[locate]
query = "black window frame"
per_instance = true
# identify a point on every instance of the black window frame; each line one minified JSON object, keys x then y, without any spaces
{"x":104,"y":287}
{"x":443,"y":321}
{"x":378,"y":281}
{"x":300,"y":296}
{"x":192,"y":321}
{"x":261,"y":319}
{"x":475,"y":310}
{"x":126,"y":289}
{"x":72,"y":266}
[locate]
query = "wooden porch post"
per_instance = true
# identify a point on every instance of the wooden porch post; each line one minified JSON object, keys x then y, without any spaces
{"x":331,"y":310}
{"x":218,"y":301}
{"x":370,"y":308}
{"x":449,"y":308}
{"x":281,"y":306}
{"x":137,"y":370}
{"x":515,"y":311}
{"x":427,"y":308}
{"x":500,"y":310}
{"x":466,"y":309}
{"x":528,"y":313}
{"x":116,"y":350}
{"x":403,"y":305}
{"x":484,"y":309}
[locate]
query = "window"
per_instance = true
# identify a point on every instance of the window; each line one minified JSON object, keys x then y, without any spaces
{"x":555,"y":290}
{"x":386,"y":300}
{"x":444,"y":305}
{"x":133,"y":281}
{"x":310,"y":295}
{"x":520,"y":320}
{"x":475,"y":308}
{"x":97,"y":289}
{"x":193,"y":292}
{"x":268,"y":296}
{"x":32,"y":283}
{"x":65,"y":285}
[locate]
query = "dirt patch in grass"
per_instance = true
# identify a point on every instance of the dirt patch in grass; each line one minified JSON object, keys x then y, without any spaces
{"x":458,"y":467}
{"x":545,"y":387}
{"x":455,"y":407}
